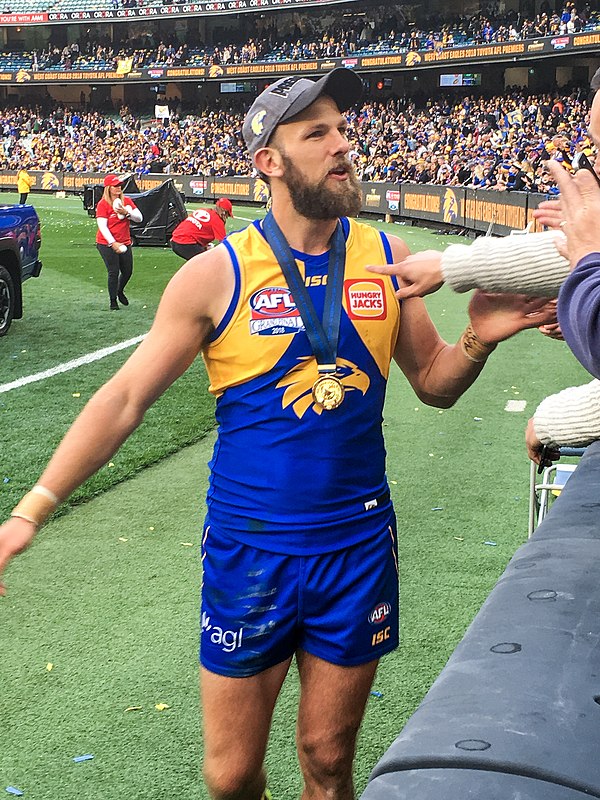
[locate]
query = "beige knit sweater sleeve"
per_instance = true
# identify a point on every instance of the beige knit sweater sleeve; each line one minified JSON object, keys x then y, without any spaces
{"x":570,"y":418}
{"x":528,"y":264}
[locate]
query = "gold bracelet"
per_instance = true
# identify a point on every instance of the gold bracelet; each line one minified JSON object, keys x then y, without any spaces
{"x":35,"y":506}
{"x":472,"y":346}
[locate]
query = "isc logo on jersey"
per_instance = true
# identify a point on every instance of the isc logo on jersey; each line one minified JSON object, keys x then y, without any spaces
{"x":365,"y":299}
{"x":273,"y":312}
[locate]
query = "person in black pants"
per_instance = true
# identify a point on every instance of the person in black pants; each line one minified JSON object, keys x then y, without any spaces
{"x":113,"y":239}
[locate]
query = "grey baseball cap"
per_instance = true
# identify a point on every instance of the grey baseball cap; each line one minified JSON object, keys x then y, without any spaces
{"x":287,"y":97}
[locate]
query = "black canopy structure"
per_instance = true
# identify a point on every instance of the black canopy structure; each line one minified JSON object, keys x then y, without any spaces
{"x":162,"y":210}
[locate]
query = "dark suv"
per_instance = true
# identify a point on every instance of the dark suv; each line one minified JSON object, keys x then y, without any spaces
{"x":20,"y":241}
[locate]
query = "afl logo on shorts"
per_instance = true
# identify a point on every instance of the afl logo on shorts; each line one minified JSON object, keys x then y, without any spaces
{"x":273,"y":311}
{"x":380,"y":613}
{"x":365,"y":299}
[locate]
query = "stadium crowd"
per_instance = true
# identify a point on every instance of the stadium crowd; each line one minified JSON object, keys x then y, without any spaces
{"x":303,"y":37}
{"x":497,"y":143}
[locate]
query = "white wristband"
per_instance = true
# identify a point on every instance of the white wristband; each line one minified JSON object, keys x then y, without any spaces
{"x":47,"y":493}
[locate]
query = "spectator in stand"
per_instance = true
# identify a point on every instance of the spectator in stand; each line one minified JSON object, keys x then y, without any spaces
{"x":195,"y":234}
{"x":24,"y":183}
{"x":113,"y":239}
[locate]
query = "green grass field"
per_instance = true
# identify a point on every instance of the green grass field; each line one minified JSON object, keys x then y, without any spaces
{"x":109,"y":592}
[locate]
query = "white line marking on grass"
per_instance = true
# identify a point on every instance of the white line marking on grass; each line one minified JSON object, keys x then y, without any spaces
{"x":89,"y":358}
{"x":515,"y":405}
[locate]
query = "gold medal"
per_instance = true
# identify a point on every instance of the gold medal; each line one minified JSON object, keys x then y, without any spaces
{"x":328,"y":392}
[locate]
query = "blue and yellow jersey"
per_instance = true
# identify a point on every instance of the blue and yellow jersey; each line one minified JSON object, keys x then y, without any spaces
{"x":287,"y":476}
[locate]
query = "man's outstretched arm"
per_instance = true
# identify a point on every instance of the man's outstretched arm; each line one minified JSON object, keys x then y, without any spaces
{"x":193,"y":302}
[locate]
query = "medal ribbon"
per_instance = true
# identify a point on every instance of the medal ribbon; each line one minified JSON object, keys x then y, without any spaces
{"x":323,"y":336}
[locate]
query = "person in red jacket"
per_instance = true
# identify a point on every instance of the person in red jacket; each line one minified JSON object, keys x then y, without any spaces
{"x":113,"y":239}
{"x":206,"y":225}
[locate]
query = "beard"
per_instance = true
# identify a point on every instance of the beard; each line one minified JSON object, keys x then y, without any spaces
{"x":318,"y":200}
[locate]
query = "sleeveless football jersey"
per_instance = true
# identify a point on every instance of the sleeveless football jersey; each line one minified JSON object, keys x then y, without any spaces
{"x":287,"y":476}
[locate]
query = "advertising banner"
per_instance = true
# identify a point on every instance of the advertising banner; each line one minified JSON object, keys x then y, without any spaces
{"x":503,"y":211}
{"x":475,"y":209}
{"x":167,"y":10}
{"x":441,"y":57}
{"x":435,"y":203}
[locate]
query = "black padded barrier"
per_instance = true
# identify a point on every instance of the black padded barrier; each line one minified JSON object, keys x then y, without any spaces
{"x":515,"y":713}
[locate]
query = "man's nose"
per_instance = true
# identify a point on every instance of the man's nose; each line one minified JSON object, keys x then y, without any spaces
{"x":340,"y":144}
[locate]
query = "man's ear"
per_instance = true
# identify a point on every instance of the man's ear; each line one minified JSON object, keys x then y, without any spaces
{"x":268,"y":161}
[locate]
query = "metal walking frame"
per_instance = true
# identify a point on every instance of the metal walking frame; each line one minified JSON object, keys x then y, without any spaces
{"x":552,"y":482}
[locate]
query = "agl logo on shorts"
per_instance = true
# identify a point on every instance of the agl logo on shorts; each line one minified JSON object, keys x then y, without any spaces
{"x":229,"y":640}
{"x":365,"y":299}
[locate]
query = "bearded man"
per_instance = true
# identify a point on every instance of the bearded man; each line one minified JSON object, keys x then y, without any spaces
{"x":299,"y":547}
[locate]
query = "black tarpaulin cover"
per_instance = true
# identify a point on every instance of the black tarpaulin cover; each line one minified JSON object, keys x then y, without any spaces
{"x":162,"y":210}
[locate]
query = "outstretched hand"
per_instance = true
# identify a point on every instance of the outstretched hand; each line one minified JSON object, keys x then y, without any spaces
{"x":496,"y":317}
{"x":418,"y":274}
{"x":15,"y":536}
{"x":549,"y":213}
{"x":581,"y":210}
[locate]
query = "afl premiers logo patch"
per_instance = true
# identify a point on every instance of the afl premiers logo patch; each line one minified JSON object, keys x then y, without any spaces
{"x":273,"y":312}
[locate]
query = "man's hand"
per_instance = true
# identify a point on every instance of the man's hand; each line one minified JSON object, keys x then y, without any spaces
{"x":418,"y":274}
{"x":15,"y":536}
{"x":496,"y":317}
{"x":581,"y":210}
{"x":549,"y":213}
{"x":535,"y":447}
{"x":552,"y":329}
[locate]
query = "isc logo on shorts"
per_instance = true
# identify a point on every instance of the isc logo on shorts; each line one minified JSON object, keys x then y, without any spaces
{"x":380,"y":613}
{"x":365,"y":299}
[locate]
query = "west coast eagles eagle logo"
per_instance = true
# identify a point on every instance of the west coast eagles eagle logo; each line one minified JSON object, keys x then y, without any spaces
{"x":450,"y":207}
{"x":257,"y":124}
{"x":261,"y":191}
{"x":413,"y":58}
{"x":50,"y":181}
{"x":298,"y":383}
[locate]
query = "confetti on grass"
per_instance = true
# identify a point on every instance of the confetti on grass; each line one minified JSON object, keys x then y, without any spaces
{"x":187,"y":544}
{"x":86,"y":757}
{"x":134,"y":708}
{"x":376,"y":694}
{"x":161,"y":706}
{"x":15,"y":791}
{"x":49,"y":666}
{"x":491,"y":544}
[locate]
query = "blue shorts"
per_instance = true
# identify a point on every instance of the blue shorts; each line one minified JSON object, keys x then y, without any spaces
{"x":258,"y":607}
